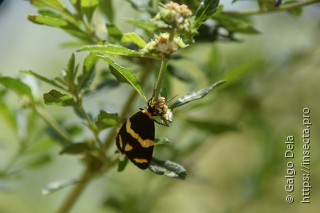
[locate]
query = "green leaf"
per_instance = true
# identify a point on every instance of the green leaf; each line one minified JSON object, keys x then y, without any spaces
{"x":114,"y":32}
{"x":56,"y":185}
{"x":75,"y":148}
{"x":147,"y":25}
{"x":133,"y":38}
{"x":88,"y":7}
{"x":124,"y":75}
{"x":211,"y":127}
{"x":241,"y":70}
{"x":39,"y":161}
{"x":54,"y":97}
{"x":7,"y":115}
{"x":54,"y":4}
{"x":16,"y":86}
{"x":88,"y":72}
{"x":48,"y":20}
{"x":168,"y":168}
{"x":112,"y":50}
{"x":181,"y":75}
{"x":44,"y":79}
{"x":106,"y":8}
{"x":161,"y":141}
{"x":107,"y":119}
{"x":195,"y":95}
{"x":205,"y":11}
{"x":122,"y":164}
{"x":71,"y":72}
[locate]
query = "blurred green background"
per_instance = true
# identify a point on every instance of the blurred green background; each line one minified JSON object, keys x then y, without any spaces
{"x":275,"y":75}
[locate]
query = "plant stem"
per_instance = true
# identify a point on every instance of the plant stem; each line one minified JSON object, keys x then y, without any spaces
{"x":76,"y":192}
{"x":286,"y":7}
{"x":162,"y":72}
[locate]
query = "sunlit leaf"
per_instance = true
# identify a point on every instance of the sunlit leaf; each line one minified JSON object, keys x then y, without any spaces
{"x":107,"y":119}
{"x":56,"y":98}
{"x":48,"y":20}
{"x":168,"y":168}
{"x":88,"y":7}
{"x":124,"y":75}
{"x":133,"y":38}
{"x":205,"y":10}
{"x":54,"y":4}
{"x":16,"y":86}
{"x":56,"y":185}
{"x":195,"y":95}
{"x":111,"y":49}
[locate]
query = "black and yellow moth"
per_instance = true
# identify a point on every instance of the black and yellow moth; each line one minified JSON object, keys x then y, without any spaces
{"x":136,"y":138}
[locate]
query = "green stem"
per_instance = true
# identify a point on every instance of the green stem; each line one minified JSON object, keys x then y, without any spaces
{"x":162,"y":72}
{"x":275,"y":9}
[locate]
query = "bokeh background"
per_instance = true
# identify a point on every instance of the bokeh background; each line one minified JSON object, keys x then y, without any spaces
{"x":275,"y":75}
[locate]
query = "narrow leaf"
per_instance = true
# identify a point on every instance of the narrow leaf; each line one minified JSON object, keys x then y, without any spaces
{"x":124,"y":75}
{"x":112,"y":50}
{"x":205,"y":10}
{"x":168,"y":168}
{"x":44,"y":79}
{"x":75,"y":148}
{"x":106,"y":8}
{"x":114,"y":32}
{"x":16,"y":86}
{"x":56,"y":98}
{"x":48,"y":20}
{"x":89,"y":3}
{"x":122,"y":164}
{"x":212,"y":127}
{"x":147,"y":25}
{"x":133,"y":38}
{"x":195,"y":95}
{"x":161,"y":141}
{"x":88,"y":72}
{"x":56,"y":185}
{"x":107,"y":119}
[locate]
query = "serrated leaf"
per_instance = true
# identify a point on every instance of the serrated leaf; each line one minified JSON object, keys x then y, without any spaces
{"x":133,"y":38}
{"x":195,"y":95}
{"x":54,"y":97}
{"x":168,"y":168}
{"x":48,"y":20}
{"x":124,"y":75}
{"x":205,"y":11}
{"x":71,"y":72}
{"x":56,"y":185}
{"x":112,"y":50}
{"x":212,"y":127}
{"x":114,"y":32}
{"x":161,"y":141}
{"x":42,"y":78}
{"x":16,"y":86}
{"x":75,"y":148}
{"x":107,"y":119}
